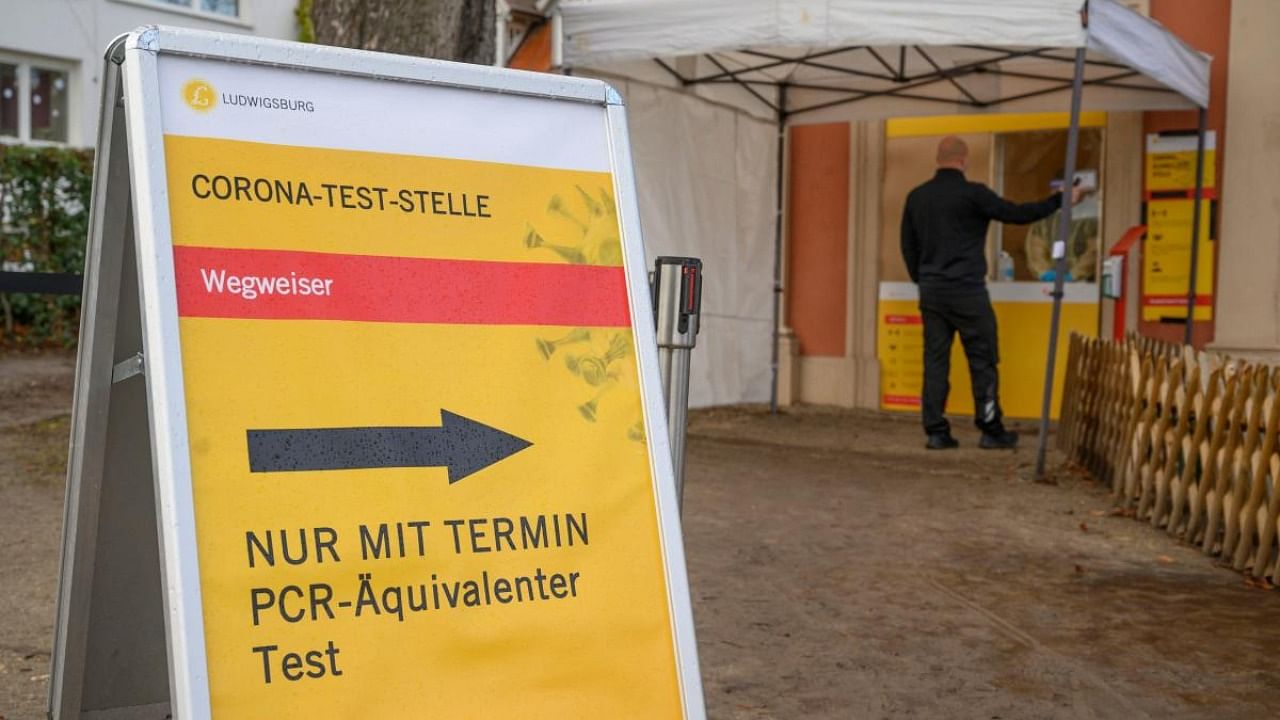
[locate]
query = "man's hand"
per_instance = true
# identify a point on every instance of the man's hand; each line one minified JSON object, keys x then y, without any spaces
{"x":1077,"y":193}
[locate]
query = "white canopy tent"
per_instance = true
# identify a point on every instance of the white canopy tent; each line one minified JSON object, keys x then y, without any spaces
{"x":810,"y":61}
{"x":882,"y":58}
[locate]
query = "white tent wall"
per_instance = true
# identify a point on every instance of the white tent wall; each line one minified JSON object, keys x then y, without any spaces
{"x":706,"y":182}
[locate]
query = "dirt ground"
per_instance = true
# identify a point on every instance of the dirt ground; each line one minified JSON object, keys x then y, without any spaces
{"x":35,"y":397}
{"x":841,"y":571}
{"x":838,"y":571}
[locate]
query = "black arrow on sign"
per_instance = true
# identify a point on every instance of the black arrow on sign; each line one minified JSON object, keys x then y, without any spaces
{"x":461,"y":444}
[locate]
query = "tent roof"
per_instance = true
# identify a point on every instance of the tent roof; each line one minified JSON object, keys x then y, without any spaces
{"x":816,"y":60}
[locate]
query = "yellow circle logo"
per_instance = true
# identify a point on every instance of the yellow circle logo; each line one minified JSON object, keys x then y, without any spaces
{"x":199,"y":95}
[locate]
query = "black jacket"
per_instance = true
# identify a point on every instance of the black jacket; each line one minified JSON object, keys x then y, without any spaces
{"x":944,"y":229}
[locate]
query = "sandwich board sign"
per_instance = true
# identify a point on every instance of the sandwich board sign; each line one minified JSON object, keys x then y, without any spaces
{"x":366,"y":417}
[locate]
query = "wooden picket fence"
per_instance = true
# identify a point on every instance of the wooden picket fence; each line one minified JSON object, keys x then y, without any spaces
{"x":1186,"y":440}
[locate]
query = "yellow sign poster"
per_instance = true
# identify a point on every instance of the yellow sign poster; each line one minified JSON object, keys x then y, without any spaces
{"x":420,"y":468}
{"x":900,"y":349}
{"x":1171,"y":161}
{"x":1166,"y":253}
{"x":1166,"y":267}
{"x":1022,"y":314}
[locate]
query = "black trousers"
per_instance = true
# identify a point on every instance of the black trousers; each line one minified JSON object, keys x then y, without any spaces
{"x":969,"y":313}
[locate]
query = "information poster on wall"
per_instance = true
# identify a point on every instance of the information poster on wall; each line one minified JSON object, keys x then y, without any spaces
{"x":1166,"y":266}
{"x":901,"y":345}
{"x":1166,"y":257}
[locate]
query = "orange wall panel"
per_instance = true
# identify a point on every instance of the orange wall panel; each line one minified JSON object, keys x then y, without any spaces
{"x":818,"y":237}
{"x":535,"y":52}
{"x":1206,"y":26}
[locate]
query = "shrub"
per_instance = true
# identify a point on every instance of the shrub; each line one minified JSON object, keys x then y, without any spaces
{"x":44,"y":223}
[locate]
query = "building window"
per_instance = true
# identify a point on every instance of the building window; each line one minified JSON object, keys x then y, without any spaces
{"x":35,"y":101}
{"x":48,"y":98}
{"x":228,"y":8}
{"x":8,"y":100}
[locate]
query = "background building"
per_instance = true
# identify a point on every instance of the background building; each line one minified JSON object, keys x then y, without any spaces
{"x":51,"y":54}
{"x":1247,"y":307}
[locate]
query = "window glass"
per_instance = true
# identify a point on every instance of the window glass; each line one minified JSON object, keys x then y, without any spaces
{"x":1031,"y":162}
{"x":230,"y":8}
{"x":8,"y":100}
{"x":49,"y":94}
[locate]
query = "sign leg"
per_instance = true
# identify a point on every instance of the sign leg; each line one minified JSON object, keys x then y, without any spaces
{"x":109,"y":657}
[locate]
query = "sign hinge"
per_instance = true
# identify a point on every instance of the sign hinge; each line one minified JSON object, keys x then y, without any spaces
{"x":127,"y":368}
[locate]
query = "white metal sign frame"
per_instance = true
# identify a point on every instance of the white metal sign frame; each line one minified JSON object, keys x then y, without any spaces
{"x":166,"y":398}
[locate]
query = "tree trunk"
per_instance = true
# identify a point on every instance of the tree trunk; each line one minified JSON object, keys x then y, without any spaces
{"x":460,"y":30}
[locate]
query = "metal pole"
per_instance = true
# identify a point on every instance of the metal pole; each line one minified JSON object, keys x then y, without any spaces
{"x":1060,"y":257}
{"x":777,"y":251}
{"x":677,"y":308}
{"x":1195,"y":225}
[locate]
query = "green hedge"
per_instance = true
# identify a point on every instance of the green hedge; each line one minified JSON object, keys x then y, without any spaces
{"x":44,"y":221}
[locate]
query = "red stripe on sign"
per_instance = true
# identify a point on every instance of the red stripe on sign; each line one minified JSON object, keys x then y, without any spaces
{"x":1165,"y":300}
{"x":910,"y":400}
{"x":1180,"y":194}
{"x":904,"y":319}
{"x":288,"y":285}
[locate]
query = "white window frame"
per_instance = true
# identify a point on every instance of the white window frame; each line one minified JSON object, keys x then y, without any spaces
{"x":241,"y":19}
{"x":25,"y":63}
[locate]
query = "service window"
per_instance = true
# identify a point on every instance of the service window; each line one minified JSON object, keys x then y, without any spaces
{"x":1027,"y":164}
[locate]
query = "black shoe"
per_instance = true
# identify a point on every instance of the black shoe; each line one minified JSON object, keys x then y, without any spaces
{"x":1001,"y":440}
{"x":941,"y":441}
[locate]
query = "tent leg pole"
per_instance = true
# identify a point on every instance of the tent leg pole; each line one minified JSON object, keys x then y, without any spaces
{"x":777,"y":252}
{"x":1195,"y":226}
{"x":1060,"y":258}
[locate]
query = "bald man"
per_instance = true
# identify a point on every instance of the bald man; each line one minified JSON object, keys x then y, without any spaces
{"x":944,"y":235}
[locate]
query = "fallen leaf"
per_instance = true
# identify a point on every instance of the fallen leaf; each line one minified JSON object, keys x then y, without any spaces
{"x":1165,"y":559}
{"x":38,"y":678}
{"x":1084,"y":527}
{"x":1097,"y":513}
{"x":1258,"y":583}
